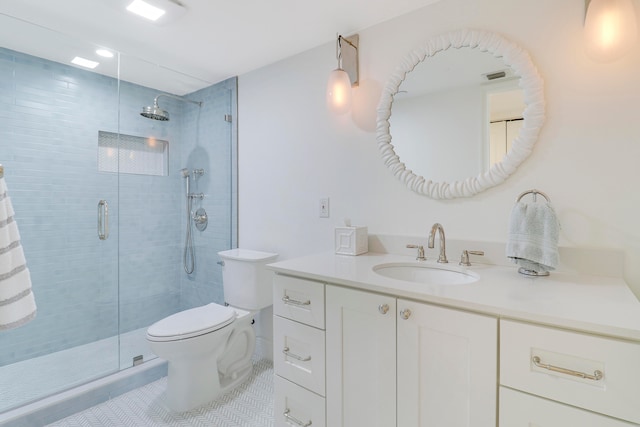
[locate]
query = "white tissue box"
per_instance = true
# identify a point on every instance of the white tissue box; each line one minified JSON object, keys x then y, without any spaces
{"x":352,"y":240}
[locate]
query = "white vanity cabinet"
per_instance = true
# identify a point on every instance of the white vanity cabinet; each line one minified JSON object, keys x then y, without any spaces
{"x":504,"y":351}
{"x":598,"y":374}
{"x":442,"y":361}
{"x":299,"y":352}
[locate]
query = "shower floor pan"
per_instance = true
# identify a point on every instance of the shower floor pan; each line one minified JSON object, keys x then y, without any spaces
{"x":30,"y":380}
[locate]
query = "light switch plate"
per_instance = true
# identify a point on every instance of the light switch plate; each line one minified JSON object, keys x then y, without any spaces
{"x":324,"y":207}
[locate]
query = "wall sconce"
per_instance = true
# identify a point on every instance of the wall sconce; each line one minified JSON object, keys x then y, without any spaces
{"x":343,"y":78}
{"x":610,"y":28}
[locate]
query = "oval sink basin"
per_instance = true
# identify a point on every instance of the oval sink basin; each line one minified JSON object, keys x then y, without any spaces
{"x":428,"y":274}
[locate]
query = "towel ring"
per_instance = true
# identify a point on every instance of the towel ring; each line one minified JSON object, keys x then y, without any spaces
{"x":535,"y":193}
{"x":526,"y":272}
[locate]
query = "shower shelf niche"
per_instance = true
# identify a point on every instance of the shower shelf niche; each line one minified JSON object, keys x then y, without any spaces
{"x":132,"y":154}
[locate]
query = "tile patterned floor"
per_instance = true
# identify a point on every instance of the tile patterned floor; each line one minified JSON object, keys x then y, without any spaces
{"x":248,"y":405}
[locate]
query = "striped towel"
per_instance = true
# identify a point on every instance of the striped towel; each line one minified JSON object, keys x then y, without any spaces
{"x":17,"y":304}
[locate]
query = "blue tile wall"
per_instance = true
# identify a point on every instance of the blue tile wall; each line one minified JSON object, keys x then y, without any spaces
{"x":46,"y":145}
{"x":87,"y":289}
{"x":208,"y":141}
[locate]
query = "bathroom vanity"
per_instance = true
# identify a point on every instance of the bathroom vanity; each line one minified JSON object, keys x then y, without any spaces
{"x":355,"y":345}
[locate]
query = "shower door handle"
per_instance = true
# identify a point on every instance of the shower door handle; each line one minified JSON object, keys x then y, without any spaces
{"x":103,"y":220}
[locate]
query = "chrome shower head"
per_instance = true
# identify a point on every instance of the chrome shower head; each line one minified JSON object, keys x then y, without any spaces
{"x":155,"y":112}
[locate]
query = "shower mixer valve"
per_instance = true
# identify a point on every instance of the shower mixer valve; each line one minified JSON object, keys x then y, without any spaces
{"x":201,"y":219}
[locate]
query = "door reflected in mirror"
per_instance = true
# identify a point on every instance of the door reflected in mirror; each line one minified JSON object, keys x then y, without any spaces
{"x":456,"y":114}
{"x":506,"y":106}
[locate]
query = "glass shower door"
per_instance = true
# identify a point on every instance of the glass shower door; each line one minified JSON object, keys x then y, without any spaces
{"x":152,"y":199}
{"x":51,"y":113}
{"x":198,"y":141}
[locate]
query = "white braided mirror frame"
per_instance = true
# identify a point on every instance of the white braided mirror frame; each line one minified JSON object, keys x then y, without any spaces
{"x":530,"y":82}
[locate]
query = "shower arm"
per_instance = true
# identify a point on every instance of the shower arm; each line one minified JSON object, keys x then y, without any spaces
{"x":180,"y":98}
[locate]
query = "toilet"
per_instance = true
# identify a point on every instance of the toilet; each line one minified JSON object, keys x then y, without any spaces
{"x":209,"y":348}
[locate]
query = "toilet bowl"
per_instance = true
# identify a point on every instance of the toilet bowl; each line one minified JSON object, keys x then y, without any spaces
{"x":194,"y":342}
{"x":209,"y":348}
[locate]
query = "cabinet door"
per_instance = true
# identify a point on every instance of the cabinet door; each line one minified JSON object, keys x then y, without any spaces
{"x":523,"y":410}
{"x":361,"y":358}
{"x":447,"y":367}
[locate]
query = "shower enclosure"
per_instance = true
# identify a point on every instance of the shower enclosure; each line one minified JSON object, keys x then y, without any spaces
{"x":99,"y":201}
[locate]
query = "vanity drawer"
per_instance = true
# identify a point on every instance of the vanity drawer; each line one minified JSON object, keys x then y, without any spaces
{"x":547,"y":362}
{"x":299,"y":354}
{"x":296,"y":406}
{"x":299,"y":299}
{"x":519,"y":409}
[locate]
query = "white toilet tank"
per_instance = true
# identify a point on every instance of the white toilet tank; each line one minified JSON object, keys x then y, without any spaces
{"x":247,"y":283}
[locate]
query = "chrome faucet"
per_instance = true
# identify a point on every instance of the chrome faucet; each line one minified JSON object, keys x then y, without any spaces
{"x":442,"y":258}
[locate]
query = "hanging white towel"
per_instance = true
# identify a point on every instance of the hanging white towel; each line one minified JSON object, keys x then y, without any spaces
{"x":533,"y":237}
{"x":17,"y":304}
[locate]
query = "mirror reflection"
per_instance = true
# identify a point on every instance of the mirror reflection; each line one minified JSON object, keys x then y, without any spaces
{"x":456,"y":114}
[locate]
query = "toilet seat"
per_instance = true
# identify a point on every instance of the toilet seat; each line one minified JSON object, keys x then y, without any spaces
{"x":191,"y":323}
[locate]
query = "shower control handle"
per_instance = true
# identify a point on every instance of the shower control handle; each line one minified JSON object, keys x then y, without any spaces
{"x":201,"y":219}
{"x":103,"y":220}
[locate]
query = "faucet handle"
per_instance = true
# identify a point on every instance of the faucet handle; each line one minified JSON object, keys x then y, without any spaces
{"x":420,"y":248}
{"x":464,"y":257}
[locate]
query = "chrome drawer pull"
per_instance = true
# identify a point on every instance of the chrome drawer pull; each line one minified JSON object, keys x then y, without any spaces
{"x":295,"y":356}
{"x":597,"y":375}
{"x":290,"y":301}
{"x":295,"y":420}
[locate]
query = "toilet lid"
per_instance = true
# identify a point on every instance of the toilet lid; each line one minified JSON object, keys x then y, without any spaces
{"x":192,"y":322}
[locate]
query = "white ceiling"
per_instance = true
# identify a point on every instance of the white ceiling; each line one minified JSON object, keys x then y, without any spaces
{"x":212,"y":41}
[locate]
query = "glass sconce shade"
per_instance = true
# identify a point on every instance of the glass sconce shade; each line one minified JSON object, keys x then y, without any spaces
{"x":610,"y":29}
{"x":339,"y":91}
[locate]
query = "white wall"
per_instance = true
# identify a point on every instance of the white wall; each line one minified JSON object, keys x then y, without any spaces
{"x":292,"y":151}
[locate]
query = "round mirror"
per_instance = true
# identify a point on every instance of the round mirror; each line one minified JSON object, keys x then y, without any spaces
{"x":464,"y":111}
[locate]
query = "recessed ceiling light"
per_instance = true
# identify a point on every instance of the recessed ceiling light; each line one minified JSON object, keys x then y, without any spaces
{"x":170,"y":10}
{"x":145,"y":10}
{"x":105,"y":53}
{"x":84,"y":62}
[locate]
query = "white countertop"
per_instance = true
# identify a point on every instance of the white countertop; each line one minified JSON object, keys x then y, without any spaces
{"x":596,"y":304}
